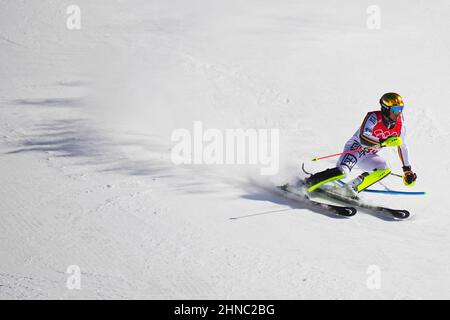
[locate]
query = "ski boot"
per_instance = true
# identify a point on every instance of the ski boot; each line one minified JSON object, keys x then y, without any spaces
{"x":318,"y":179}
{"x":366,"y":179}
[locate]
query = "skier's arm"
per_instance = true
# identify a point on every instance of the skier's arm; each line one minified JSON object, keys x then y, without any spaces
{"x":403,"y":149}
{"x":366,"y":131}
{"x":409,"y":177}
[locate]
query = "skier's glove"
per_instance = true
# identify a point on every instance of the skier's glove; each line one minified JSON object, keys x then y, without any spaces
{"x":409,"y":177}
{"x":391,"y":142}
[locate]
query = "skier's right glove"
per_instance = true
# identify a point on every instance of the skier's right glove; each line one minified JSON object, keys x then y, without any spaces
{"x":409,"y":177}
{"x":391,"y":142}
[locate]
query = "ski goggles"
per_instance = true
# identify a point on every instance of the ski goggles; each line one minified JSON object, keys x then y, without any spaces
{"x":396,"y":109}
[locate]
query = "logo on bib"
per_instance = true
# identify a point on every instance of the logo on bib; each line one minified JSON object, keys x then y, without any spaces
{"x":383,"y":134}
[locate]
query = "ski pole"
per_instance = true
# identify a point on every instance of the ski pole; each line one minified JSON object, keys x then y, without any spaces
{"x":351,"y":151}
{"x":338,"y":154}
{"x":396,"y":175}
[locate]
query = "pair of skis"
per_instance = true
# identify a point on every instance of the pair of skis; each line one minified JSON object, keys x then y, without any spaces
{"x":347,"y":210}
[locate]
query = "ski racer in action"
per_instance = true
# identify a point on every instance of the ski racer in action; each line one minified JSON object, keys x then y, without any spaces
{"x":381,"y":128}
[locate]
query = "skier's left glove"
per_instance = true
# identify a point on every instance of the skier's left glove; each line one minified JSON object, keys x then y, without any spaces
{"x":409,"y":177}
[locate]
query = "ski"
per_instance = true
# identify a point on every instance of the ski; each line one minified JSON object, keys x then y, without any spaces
{"x":396,"y":213}
{"x":292,"y":193}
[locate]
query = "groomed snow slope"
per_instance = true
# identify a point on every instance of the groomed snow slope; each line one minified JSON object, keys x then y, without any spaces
{"x":86,"y":177}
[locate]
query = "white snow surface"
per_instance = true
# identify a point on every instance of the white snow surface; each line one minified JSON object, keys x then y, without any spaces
{"x":86,"y":118}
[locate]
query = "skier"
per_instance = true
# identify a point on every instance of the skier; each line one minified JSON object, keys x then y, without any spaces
{"x":381,"y":128}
